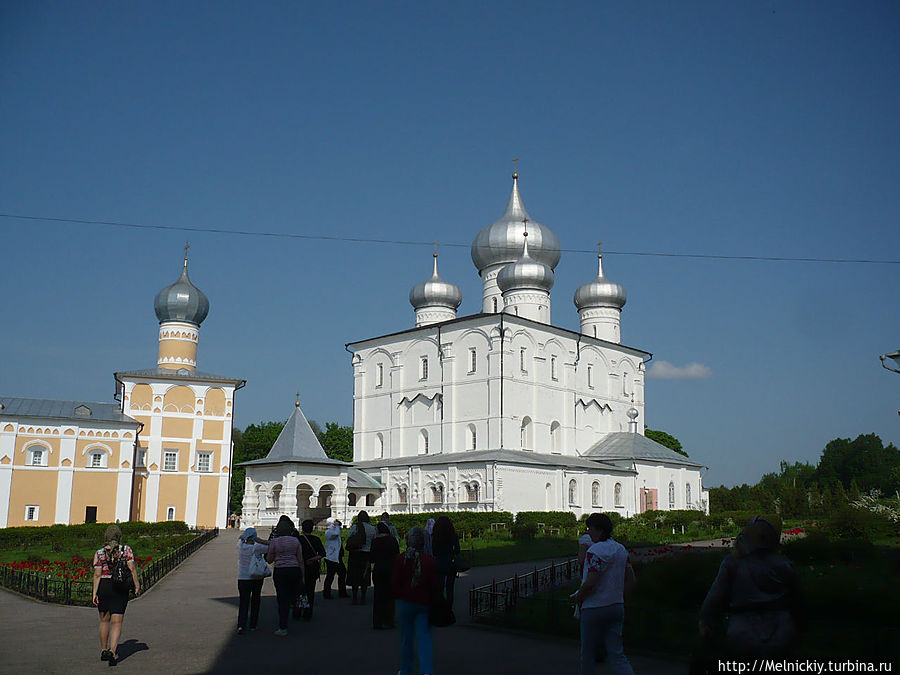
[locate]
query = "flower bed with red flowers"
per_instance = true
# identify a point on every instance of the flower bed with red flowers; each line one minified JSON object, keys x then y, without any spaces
{"x":74,"y":569}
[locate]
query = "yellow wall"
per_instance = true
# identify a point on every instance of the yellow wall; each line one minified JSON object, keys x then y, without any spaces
{"x":177,"y":349}
{"x":215,"y":402}
{"x":139,"y":497}
{"x":177,"y":427}
{"x":181,"y":397}
{"x":212,"y":430}
{"x":93,"y":488}
{"x":141,"y":395}
{"x":21,"y":458}
{"x":208,"y":501}
{"x":81,"y":456}
{"x":36,"y":487}
{"x":172,"y":492}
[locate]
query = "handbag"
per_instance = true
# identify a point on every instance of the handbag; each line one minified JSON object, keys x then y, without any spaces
{"x":439,"y":613}
{"x":258,"y":569}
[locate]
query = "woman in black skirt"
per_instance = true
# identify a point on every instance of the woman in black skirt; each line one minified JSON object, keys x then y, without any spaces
{"x":109,"y":599}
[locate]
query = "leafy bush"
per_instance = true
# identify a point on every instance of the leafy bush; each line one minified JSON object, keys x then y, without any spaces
{"x":60,"y":536}
{"x":855,"y":523}
{"x":560,"y":519}
{"x":467,"y":524}
{"x":524,"y":531}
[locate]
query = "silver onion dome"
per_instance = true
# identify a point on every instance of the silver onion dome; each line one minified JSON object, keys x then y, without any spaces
{"x":526,"y":272}
{"x":182,"y":301}
{"x":601,"y":292}
{"x":435,"y":292}
{"x":501,"y":242}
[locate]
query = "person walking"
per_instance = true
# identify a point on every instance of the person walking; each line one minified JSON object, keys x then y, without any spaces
{"x":286,"y":554}
{"x":415,"y":583}
{"x":606,"y":576}
{"x":360,"y":572}
{"x":385,"y":550}
{"x":758,"y":589}
{"x":110,"y":596}
{"x":334,"y":560}
{"x":249,"y":587}
{"x":445,"y":547}
{"x":313,"y":554}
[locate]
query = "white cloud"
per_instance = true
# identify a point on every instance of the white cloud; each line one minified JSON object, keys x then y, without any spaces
{"x":663,"y":370}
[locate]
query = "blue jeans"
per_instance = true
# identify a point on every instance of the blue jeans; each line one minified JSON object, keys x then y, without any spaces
{"x":414,"y":627}
{"x":603,"y":623}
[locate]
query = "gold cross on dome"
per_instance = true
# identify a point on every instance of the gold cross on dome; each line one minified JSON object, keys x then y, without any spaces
{"x":515,"y":164}
{"x":297,"y":403}
{"x":599,"y":248}
{"x":187,"y":245}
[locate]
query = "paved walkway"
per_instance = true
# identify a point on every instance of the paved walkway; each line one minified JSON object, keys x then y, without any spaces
{"x":185,"y":624}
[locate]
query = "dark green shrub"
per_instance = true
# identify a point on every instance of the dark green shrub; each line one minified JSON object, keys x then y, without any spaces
{"x":853,"y":523}
{"x":524,"y":531}
{"x":564,"y":520}
{"x":467,"y":524}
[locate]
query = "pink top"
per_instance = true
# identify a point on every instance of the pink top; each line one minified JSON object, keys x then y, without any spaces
{"x":101,"y":561}
{"x":285,"y":550}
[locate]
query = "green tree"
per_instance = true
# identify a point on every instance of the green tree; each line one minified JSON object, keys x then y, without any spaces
{"x":254,"y":442}
{"x":337,"y":441}
{"x":865,"y":458}
{"x":665,"y":439}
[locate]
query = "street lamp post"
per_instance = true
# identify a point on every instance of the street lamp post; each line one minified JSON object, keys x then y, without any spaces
{"x":895,"y":357}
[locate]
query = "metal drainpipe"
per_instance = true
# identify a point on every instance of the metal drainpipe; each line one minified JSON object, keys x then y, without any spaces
{"x":240,"y":385}
{"x":134,"y":447}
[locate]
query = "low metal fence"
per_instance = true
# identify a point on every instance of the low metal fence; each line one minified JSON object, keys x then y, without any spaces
{"x":503,"y":596}
{"x":67,"y":592}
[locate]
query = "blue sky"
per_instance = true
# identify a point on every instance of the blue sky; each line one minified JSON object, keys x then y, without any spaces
{"x":768,"y":129}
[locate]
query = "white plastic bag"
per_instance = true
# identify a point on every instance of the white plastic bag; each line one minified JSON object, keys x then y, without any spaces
{"x":258,"y":567}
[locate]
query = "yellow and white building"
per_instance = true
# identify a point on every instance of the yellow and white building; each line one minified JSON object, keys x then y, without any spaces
{"x":163,"y":452}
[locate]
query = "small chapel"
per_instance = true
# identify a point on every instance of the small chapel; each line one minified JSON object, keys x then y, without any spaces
{"x":494,"y":411}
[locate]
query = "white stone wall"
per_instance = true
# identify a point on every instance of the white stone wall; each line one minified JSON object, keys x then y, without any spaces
{"x":581,"y":388}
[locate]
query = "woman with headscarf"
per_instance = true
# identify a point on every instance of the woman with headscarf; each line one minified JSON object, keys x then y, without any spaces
{"x":287,"y":555}
{"x":445,"y":548}
{"x":758,"y":589}
{"x":385,"y":550}
{"x":249,"y":587}
{"x":415,"y":583}
{"x":109,"y":598}
{"x":359,"y":575}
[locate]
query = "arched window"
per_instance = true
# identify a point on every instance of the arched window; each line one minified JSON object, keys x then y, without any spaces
{"x":618,"y":494}
{"x":554,"y":437}
{"x":573,"y":492}
{"x":471,"y":437}
{"x":276,"y":496}
{"x":437,"y":494}
{"x":472,"y":492}
{"x":37,"y":455}
{"x":423,"y":442}
{"x":671,"y":495}
{"x":370,"y":499}
{"x":494,"y":301}
{"x":401,"y":494}
{"x":687,"y":495}
{"x":379,"y":446}
{"x":595,"y":494}
{"x":625,"y":387}
{"x":526,"y":438}
{"x":351,"y":499}
{"x":548,"y":497}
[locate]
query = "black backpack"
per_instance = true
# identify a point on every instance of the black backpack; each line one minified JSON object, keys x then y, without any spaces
{"x":118,"y":567}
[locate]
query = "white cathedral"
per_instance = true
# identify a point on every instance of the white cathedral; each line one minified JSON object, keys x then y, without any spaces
{"x":496,"y":411}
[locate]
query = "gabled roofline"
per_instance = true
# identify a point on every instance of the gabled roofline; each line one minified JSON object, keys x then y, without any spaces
{"x":506,"y":317}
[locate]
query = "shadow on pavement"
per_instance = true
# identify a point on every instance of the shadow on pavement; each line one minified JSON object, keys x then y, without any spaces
{"x":129,"y":647}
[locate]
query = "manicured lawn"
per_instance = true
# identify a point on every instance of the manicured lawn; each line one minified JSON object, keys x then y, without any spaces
{"x":503,"y":550}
